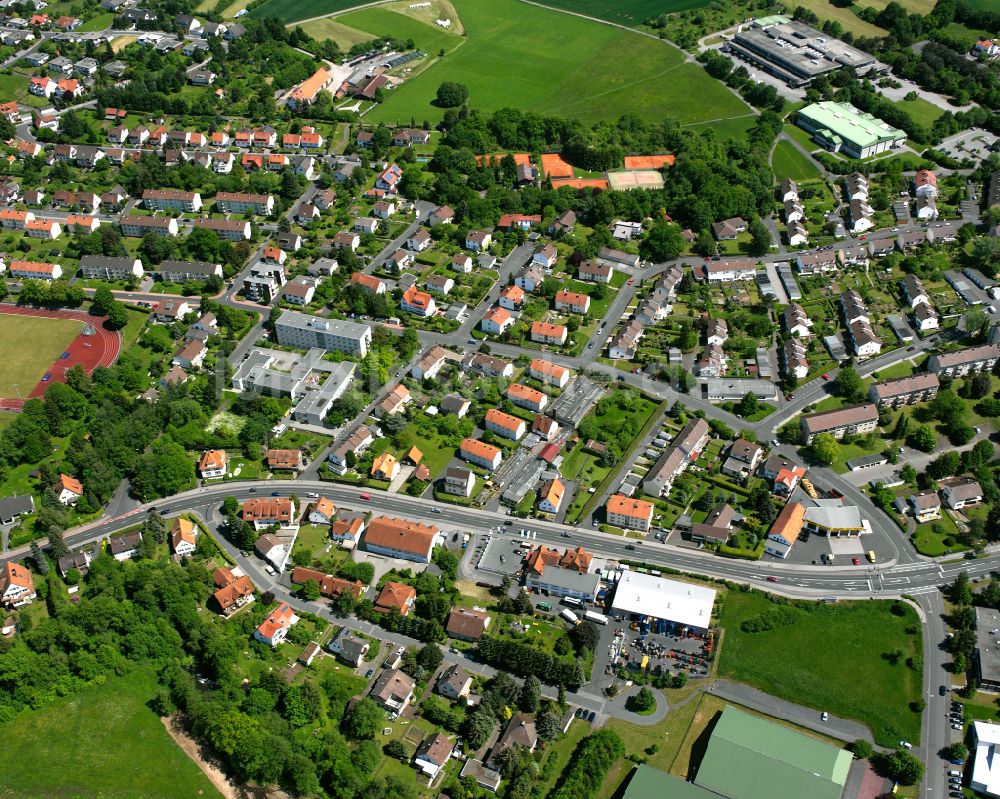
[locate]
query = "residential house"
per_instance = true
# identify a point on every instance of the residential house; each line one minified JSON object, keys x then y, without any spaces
{"x":496,"y":321}
{"x":548,"y":333}
{"x":467,"y":624}
{"x":349,"y":648}
{"x":393,"y":690}
{"x":395,"y":597}
{"x":213,"y":464}
{"x":275,"y":627}
{"x":184,"y":537}
{"x":849,"y":420}
{"x":124,"y":547}
{"x":480,"y":453}
{"x":629,"y":513}
{"x":264,"y":512}
{"x":400,"y":538}
{"x":454,"y":682}
{"x":961,"y":493}
{"x":17,"y":586}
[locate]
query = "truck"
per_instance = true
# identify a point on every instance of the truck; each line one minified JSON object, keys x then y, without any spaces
{"x":569,"y":616}
{"x":546,"y":606}
{"x":594,"y":616}
{"x":465,"y":541}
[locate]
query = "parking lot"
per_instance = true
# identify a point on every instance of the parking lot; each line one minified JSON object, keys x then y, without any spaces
{"x":620,"y":646}
{"x":497,"y":553}
{"x":972,"y":143}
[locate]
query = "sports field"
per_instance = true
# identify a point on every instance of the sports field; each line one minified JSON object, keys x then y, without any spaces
{"x":531,"y":58}
{"x":628,"y":12}
{"x":788,"y":162}
{"x":24,"y":364}
{"x":804,"y":660}
{"x":102,"y":742}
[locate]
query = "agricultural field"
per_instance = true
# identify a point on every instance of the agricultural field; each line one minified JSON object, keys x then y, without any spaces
{"x":24,"y":366}
{"x":787,"y":161}
{"x":515,"y":54}
{"x":329,"y":28}
{"x":800,"y":659}
{"x":103,"y":741}
{"x":631,"y":12}
{"x":303,"y":9}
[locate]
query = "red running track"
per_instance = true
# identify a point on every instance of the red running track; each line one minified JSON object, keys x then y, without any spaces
{"x":100,"y":349}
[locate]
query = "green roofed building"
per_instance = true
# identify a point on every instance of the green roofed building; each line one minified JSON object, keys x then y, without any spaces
{"x":749,"y":757}
{"x":840,"y":127}
{"x":651,"y":783}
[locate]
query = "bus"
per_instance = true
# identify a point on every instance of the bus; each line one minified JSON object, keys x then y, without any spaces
{"x":572,"y":601}
{"x":546,"y":606}
{"x":570,"y":616}
{"x":597,"y":618}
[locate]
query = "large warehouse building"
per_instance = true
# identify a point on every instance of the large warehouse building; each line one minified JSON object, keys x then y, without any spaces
{"x":749,"y":757}
{"x":664,"y":604}
{"x":795,"y":52}
{"x":840,"y":127}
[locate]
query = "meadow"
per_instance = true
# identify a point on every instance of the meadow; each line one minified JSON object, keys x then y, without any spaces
{"x":24,"y":366}
{"x":101,"y":742}
{"x":806,"y":661}
{"x":788,"y":162}
{"x":514,"y":54}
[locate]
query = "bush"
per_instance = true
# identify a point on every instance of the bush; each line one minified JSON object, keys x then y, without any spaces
{"x":642,"y":702}
{"x":396,"y":749}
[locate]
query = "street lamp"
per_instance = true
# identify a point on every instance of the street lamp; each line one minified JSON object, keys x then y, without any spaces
{"x":17,"y":387}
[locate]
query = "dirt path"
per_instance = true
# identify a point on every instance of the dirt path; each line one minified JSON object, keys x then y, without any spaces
{"x":219,"y":780}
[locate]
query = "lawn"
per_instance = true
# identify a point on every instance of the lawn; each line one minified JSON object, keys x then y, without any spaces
{"x":24,"y":366}
{"x":14,"y":87}
{"x":788,"y":162}
{"x":515,"y":55}
{"x":929,"y":538}
{"x":630,"y":12}
{"x":923,"y":112}
{"x":104,"y":742}
{"x":98,"y":23}
{"x":804,"y":661}
{"x":901,"y":369}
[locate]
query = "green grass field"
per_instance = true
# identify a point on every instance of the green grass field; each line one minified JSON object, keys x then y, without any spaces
{"x":527,"y":57}
{"x":24,"y":366}
{"x":630,"y":12}
{"x":302,"y":9}
{"x":833,"y":658}
{"x":788,"y":162}
{"x":101,"y":742}
{"x":329,"y":28}
{"x":922,"y":111}
{"x":845,"y":16}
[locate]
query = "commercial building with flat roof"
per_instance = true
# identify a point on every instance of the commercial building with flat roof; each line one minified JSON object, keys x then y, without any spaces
{"x":986,"y":765}
{"x":840,"y":127}
{"x":986,"y":660}
{"x":795,"y":52}
{"x":750,"y":757}
{"x":294,"y":329}
{"x":676,"y":603}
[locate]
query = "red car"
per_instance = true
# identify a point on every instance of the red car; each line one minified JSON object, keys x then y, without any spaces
{"x":856,"y":561}
{"x":630,"y":281}
{"x":365,"y":496}
{"x":826,"y":376}
{"x":772,"y":579}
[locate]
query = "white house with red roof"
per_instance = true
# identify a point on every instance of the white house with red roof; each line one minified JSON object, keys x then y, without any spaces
{"x":275,"y":627}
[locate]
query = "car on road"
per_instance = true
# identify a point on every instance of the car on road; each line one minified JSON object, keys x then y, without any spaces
{"x":943,"y":690}
{"x":630,"y":281}
{"x":565,"y":534}
{"x":906,"y":744}
{"x":590,"y":346}
{"x":253,"y":490}
{"x":824,"y":716}
{"x":369,"y":673}
{"x":630,"y":546}
{"x":910,"y":349}
{"x":826,"y":376}
{"x":365,"y":496}
{"x":856,"y":561}
{"x":772,"y":579}
{"x":507,"y":522}
{"x":275,"y":493}
{"x":435,"y":510}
